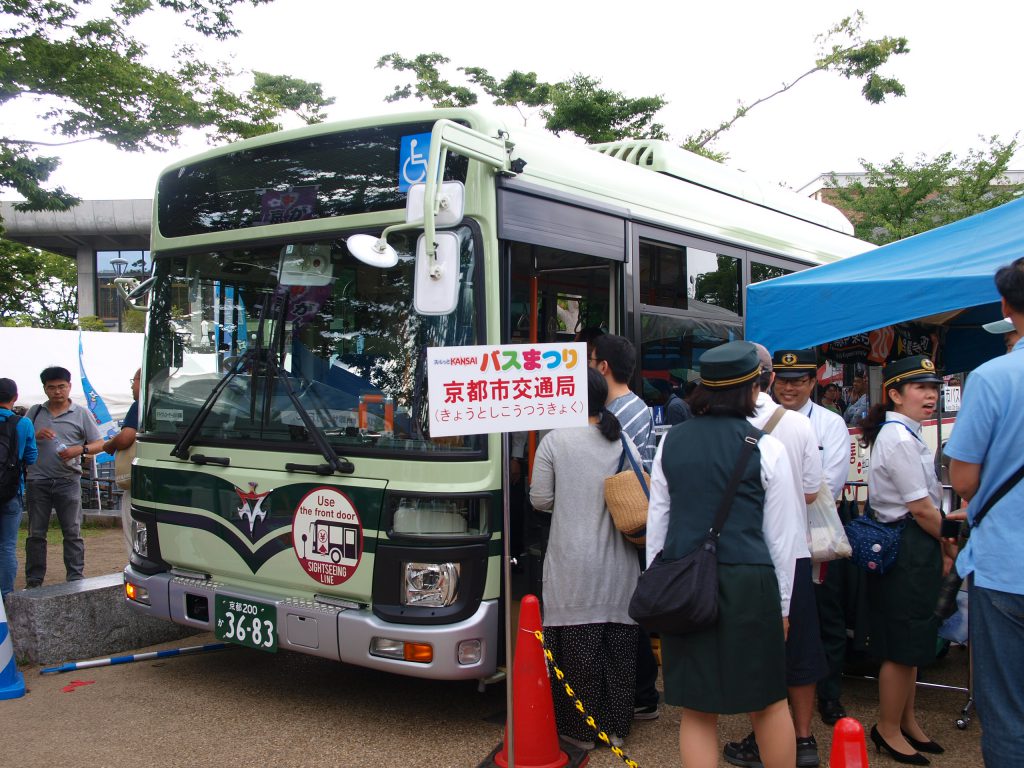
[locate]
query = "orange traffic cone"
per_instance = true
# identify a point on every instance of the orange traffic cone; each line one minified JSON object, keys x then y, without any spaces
{"x":848,"y":747}
{"x":536,"y":738}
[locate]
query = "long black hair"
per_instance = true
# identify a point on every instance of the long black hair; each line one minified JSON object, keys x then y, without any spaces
{"x":872,"y":422}
{"x":597,"y":393}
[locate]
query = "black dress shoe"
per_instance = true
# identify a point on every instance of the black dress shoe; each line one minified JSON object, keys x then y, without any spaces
{"x":831,"y":711}
{"x":923,"y":746}
{"x":914,"y":758}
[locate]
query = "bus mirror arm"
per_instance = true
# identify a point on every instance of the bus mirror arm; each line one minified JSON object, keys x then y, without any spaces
{"x":131,"y":290}
{"x":437,"y":200}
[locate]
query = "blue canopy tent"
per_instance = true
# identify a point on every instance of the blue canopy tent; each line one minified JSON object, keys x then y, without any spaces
{"x":944,"y":277}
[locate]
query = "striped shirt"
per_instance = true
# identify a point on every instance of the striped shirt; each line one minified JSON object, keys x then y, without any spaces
{"x":638,"y":424}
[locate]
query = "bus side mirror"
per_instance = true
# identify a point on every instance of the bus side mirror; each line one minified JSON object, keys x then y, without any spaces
{"x":436,"y":291}
{"x":450,"y":205}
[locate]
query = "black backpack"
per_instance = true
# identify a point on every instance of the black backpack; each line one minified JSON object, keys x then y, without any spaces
{"x":10,"y":462}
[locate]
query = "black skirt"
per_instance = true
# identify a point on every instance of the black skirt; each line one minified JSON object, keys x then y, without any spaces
{"x":739,"y":665}
{"x":904,"y":628}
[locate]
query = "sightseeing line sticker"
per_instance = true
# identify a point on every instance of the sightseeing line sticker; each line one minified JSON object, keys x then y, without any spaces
{"x":327,"y":536}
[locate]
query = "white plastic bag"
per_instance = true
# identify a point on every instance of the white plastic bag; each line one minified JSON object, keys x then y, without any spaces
{"x":825,"y":535}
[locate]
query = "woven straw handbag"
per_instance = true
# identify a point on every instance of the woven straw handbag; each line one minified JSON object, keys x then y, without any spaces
{"x":625,"y":495}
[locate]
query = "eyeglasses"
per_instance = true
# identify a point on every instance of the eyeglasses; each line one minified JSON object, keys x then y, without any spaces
{"x":801,"y":382}
{"x":55,"y":387}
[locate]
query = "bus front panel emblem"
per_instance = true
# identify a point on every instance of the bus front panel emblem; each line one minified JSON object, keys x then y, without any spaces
{"x":327,"y":536}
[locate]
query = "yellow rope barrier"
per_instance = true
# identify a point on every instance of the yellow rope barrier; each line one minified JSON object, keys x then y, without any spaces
{"x":589,"y":719}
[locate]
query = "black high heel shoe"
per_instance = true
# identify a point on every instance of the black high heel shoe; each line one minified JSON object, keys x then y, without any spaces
{"x":914,"y":758}
{"x":932,"y":747}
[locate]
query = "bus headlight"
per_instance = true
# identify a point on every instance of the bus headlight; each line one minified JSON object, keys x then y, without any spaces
{"x":140,"y":538}
{"x":430,"y":585}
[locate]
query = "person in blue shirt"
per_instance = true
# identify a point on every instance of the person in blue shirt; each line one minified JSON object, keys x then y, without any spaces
{"x":122,"y":441}
{"x":986,"y":452}
{"x":11,"y":509}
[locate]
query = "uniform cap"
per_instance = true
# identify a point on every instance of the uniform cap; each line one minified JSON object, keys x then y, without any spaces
{"x":916,"y":368}
{"x":794,"y":363}
{"x":729,"y":365}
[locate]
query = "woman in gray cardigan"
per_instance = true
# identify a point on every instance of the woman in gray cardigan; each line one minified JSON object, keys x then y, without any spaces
{"x":590,"y":571}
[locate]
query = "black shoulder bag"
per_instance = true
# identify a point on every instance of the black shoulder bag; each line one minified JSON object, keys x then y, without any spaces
{"x":677,"y":597}
{"x":946,"y":605}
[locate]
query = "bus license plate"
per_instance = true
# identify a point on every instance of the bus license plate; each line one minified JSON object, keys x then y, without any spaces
{"x":245,"y":622}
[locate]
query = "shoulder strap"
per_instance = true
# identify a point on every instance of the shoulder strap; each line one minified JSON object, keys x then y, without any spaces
{"x":627,"y":454}
{"x":774,"y":420}
{"x":1001,"y":491}
{"x":749,"y":441}
{"x":34,"y":411}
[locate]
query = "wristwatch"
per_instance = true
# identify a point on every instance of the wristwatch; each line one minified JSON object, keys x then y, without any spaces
{"x":85,"y":449}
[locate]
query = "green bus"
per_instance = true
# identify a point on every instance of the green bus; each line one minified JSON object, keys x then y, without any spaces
{"x":286,"y":484}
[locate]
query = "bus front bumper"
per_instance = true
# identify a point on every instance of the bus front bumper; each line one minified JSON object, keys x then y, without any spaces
{"x":327,"y":630}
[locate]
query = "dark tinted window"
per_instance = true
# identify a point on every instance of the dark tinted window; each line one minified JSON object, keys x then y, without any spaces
{"x":331,"y":175}
{"x":760,"y":272}
{"x":684,"y":277}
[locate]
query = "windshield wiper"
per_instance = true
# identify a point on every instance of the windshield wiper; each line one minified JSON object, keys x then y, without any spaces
{"x":334,"y":462}
{"x":180,"y":448}
{"x":256,"y":356}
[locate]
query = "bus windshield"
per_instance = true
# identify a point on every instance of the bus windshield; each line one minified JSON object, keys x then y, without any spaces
{"x":344,"y":333}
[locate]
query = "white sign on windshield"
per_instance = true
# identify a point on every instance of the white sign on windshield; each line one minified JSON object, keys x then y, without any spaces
{"x":506,"y":388}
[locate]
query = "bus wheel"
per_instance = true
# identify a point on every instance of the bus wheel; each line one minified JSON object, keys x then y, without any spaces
{"x":335,"y":555}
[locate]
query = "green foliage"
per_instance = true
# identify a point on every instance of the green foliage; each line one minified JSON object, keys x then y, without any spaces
{"x":578,"y":105}
{"x":91,"y":323}
{"x":92,"y":81}
{"x":900,"y":198}
{"x":134,"y":321}
{"x":429,"y":84}
{"x":596,"y":114}
{"x":37,"y":288}
{"x":841,"y":50}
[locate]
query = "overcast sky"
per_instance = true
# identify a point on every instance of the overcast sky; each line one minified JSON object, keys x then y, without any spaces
{"x":961,"y":73}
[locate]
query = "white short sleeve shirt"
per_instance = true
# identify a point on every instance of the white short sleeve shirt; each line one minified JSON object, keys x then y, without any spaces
{"x":902,"y":469}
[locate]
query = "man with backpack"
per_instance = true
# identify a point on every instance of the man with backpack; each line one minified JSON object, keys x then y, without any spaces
{"x":17,"y":449}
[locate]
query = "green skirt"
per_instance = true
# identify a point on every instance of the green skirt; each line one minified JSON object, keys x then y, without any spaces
{"x":901,"y":603}
{"x":738,"y":665}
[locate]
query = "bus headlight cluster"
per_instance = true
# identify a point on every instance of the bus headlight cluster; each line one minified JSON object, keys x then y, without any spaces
{"x":430,"y":585}
{"x":140,"y":538}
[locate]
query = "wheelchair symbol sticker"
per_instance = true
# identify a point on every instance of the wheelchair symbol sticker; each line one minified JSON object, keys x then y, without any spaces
{"x":412,"y":160}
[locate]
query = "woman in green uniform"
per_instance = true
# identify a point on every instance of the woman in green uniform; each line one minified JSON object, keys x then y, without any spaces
{"x":738,"y":665}
{"x":904,"y":491}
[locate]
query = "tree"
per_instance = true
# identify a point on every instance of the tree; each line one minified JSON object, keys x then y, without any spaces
{"x":900,"y":198}
{"x":37,"y":287}
{"x":842,"y":50}
{"x":579,"y":105}
{"x":93,"y":82}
